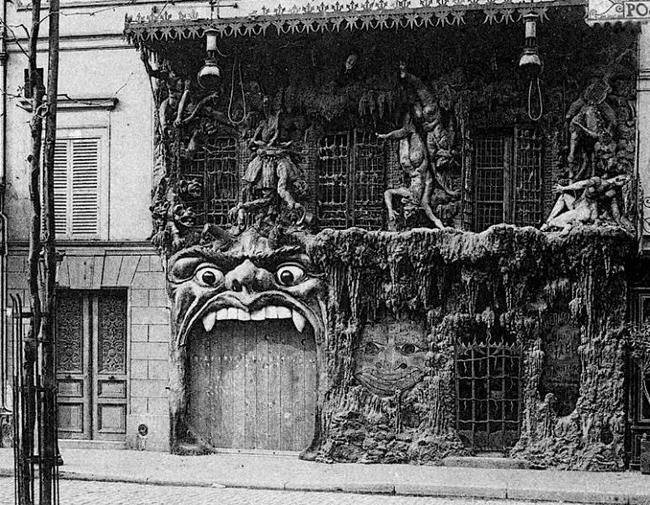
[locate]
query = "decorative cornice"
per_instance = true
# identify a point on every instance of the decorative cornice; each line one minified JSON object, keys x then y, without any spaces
{"x":309,"y":17}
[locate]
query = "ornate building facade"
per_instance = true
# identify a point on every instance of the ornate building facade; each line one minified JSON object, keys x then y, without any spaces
{"x":387,"y":233}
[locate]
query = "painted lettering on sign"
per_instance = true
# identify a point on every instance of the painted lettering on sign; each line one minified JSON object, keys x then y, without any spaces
{"x":618,"y":10}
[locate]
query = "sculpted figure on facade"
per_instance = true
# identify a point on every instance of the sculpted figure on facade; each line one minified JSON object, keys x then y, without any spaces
{"x":173,"y":218}
{"x":593,"y":124}
{"x":273,"y":183}
{"x":415,"y":163}
{"x":589,"y":201}
{"x":427,"y":156}
{"x":171,"y":90}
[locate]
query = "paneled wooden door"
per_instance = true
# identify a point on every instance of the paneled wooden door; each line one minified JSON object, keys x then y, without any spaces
{"x":91,"y":329}
{"x":252,"y":385}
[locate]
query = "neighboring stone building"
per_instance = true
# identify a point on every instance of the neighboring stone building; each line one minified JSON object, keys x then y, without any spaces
{"x":390,"y":347}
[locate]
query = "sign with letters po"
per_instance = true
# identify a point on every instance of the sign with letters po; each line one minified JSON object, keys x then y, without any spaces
{"x":613,"y":11}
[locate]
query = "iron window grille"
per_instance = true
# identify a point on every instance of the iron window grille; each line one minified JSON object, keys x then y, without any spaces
{"x":488,"y":391}
{"x":351,"y":180}
{"x":503,"y":179}
{"x":215,"y":167}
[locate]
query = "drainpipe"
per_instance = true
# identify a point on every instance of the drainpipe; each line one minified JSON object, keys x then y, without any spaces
{"x":4,"y":368}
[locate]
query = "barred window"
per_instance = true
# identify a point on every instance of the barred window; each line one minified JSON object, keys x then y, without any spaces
{"x":504,"y":178}
{"x":215,"y":168}
{"x":351,"y":180}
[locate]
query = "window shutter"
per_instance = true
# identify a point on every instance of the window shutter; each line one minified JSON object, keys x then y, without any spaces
{"x":61,"y":203}
{"x":85,"y":186}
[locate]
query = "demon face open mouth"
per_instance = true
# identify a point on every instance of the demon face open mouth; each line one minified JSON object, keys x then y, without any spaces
{"x":208,"y":287}
{"x":243,"y":310}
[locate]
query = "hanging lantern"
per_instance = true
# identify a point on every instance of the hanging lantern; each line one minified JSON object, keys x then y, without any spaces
{"x":210,"y":74}
{"x":530,"y":62}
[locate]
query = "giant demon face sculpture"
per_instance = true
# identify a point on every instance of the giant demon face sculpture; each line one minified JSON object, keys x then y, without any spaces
{"x":246,"y":280}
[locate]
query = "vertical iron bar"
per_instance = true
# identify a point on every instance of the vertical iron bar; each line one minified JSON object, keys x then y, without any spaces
{"x":488,"y":403}
{"x":473,"y":366}
{"x":458,"y":375}
{"x":503,"y":396}
{"x":352,"y":148}
{"x":15,"y":401}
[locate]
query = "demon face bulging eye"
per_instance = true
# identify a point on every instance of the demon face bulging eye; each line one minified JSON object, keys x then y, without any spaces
{"x":289,"y":274}
{"x":208,"y":276}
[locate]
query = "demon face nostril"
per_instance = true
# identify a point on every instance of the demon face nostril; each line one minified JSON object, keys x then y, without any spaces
{"x":235,"y":285}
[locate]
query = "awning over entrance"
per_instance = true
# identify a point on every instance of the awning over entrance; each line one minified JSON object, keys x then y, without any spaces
{"x":302,"y":16}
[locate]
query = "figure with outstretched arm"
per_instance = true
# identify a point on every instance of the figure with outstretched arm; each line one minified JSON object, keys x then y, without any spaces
{"x":415,"y":163}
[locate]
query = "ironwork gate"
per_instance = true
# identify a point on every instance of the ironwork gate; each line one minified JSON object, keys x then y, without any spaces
{"x":30,"y":398}
{"x":351,"y":180}
{"x":488,"y":393}
{"x":252,"y":386}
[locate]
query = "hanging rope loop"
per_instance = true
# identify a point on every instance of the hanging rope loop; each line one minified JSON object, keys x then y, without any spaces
{"x":534,"y":83}
{"x":237,"y":64}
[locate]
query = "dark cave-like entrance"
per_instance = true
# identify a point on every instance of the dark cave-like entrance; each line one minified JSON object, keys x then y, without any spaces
{"x":488,"y":385}
{"x":252,"y":385}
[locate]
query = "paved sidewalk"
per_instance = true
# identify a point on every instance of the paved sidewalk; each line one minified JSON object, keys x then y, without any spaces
{"x":290,"y":473}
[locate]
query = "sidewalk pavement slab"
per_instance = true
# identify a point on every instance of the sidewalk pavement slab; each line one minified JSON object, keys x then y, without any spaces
{"x":284,"y":472}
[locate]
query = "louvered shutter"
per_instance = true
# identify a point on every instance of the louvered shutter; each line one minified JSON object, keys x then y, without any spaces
{"x":76,"y":187}
{"x":85,"y":186}
{"x":61,"y":193}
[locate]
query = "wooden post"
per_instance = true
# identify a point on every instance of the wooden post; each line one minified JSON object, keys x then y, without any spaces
{"x":38,"y":360}
{"x":48,"y":428}
{"x":26,"y":485}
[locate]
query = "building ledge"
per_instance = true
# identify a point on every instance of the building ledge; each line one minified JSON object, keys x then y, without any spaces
{"x":67,"y":103}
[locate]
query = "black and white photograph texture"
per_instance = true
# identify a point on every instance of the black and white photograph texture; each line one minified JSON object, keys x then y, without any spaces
{"x":387,"y":252}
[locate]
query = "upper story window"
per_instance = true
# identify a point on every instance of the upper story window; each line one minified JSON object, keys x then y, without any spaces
{"x":78,"y":186}
{"x":215,"y":168}
{"x":351,"y":180}
{"x":504,"y":178}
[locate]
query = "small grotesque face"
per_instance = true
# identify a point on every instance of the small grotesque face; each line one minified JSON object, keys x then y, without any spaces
{"x":391,"y":357}
{"x":251,"y":284}
{"x":351,"y":61}
{"x":191,"y":188}
{"x":184,"y":216}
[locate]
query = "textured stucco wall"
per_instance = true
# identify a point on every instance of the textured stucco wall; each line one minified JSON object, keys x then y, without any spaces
{"x":95,"y":62}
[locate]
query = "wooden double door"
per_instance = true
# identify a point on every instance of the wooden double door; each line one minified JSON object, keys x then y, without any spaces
{"x":252,"y":385}
{"x":91,"y":330}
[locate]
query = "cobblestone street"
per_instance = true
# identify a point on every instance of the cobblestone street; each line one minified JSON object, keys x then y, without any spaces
{"x":74,"y":492}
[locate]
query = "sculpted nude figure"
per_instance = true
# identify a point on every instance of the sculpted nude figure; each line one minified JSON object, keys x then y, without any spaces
{"x":597,"y":195}
{"x":414,"y":161}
